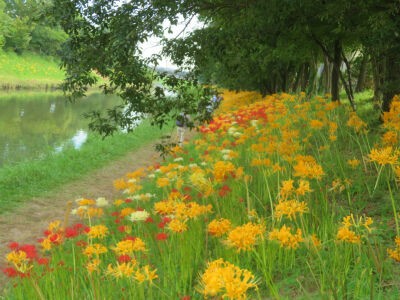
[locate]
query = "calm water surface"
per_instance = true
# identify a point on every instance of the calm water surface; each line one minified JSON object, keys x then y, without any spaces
{"x":33,"y":124}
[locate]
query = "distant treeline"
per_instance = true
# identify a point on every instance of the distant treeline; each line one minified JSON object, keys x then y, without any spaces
{"x":29,"y":25}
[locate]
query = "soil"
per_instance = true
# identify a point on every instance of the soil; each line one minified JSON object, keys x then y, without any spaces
{"x":27,"y":223}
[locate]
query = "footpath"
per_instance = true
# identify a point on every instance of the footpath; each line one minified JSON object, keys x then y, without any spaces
{"x":27,"y":223}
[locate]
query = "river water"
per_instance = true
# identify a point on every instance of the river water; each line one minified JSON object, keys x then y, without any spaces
{"x":32,"y":124}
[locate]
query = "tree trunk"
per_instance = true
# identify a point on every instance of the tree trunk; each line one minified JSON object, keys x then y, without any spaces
{"x":327,"y":75}
{"x":284,"y":78}
{"x":305,"y":76}
{"x":377,"y":74}
{"x":392,"y":77}
{"x":337,"y":60}
{"x":297,"y":79}
{"x":363,"y":73}
{"x":313,"y":79}
{"x":348,"y":85}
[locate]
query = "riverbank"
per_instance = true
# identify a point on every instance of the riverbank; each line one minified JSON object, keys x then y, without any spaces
{"x":29,"y":71}
{"x":40,"y":177}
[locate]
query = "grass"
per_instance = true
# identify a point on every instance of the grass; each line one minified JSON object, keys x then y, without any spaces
{"x":42,"y":176}
{"x":279,"y":199}
{"x":28,"y":71}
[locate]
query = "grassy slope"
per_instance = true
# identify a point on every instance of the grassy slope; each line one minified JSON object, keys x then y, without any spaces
{"x":28,"y":71}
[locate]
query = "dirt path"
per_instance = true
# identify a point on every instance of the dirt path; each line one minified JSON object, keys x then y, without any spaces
{"x":27,"y":223}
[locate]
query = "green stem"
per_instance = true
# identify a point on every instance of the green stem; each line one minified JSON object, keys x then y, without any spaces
{"x":377,"y":179}
{"x":394,"y":209}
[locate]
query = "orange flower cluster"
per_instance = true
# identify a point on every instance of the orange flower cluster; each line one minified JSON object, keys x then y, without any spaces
{"x":244,"y":237}
{"x":286,"y":238}
{"x":226,"y":280}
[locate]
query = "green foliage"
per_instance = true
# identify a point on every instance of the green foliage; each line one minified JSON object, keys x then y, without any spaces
{"x":30,"y":25}
{"x":47,"y":40}
{"x":106,"y":38}
{"x":4,"y":23}
{"x":268,"y":46}
{"x":19,"y":35}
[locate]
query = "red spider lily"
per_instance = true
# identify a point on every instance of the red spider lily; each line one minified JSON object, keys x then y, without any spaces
{"x":166,"y":220}
{"x":124,"y":258}
{"x":128,"y":200}
{"x":161,"y":225}
{"x":55,"y":238}
{"x":224,"y":191}
{"x":161,"y":236}
{"x":43,"y":261}
{"x":163,"y":222}
{"x":121,"y":228}
{"x":10,"y":272}
{"x":30,"y":250}
{"x":71,"y":232}
{"x":79,"y":226}
{"x":81,"y":243}
{"x":13,"y":245}
{"x":149,"y":220}
{"x":115,"y":213}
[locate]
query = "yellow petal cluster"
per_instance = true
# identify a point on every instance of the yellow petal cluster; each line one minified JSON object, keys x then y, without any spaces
{"x":286,"y":238}
{"x":121,"y":270}
{"x":384,"y":156}
{"x":289,"y":208}
{"x":307,"y":167}
{"x":222,"y":169}
{"x":226,"y":280}
{"x":95,"y":249}
{"x":219,"y":227}
{"x":395,"y":252}
{"x":98,"y":231}
{"x":244,"y":237}
{"x":177,"y":226}
{"x":356,"y":123}
{"x":129,"y":246}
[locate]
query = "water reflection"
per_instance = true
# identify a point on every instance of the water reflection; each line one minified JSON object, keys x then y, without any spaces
{"x":79,"y":138}
{"x":32,"y":125}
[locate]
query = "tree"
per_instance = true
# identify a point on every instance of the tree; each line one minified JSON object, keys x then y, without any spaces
{"x":269,"y":46}
{"x":4,"y":23}
{"x":106,"y":37}
{"x":381,"y":39}
{"x":30,"y":26}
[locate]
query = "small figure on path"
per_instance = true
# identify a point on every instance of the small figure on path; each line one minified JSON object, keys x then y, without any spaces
{"x":214,"y":103}
{"x":182,"y":122}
